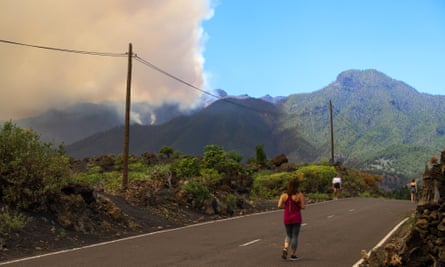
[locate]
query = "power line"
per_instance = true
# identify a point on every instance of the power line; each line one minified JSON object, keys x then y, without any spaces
{"x":104,"y":54}
{"x":143,"y":61}
{"x":151,"y":65}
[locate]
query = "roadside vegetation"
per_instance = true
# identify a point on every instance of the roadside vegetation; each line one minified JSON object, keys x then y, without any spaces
{"x":32,"y":170}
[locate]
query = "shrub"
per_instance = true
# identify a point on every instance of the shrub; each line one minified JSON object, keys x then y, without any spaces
{"x":210,"y":177}
{"x":109,"y":181}
{"x":269,"y":185}
{"x":197,"y":190}
{"x":319,"y":196}
{"x":316,"y":179}
{"x":261,"y":157}
{"x":214,"y":156}
{"x":230,"y":200}
{"x":356,"y":183}
{"x":137,"y":166}
{"x":365,"y":194}
{"x":235,"y":156}
{"x":159,"y":171}
{"x":187,"y":167}
{"x":11,"y":221}
{"x":166,"y":150}
{"x":224,"y":162}
{"x":29,"y":168}
{"x":400,"y":193}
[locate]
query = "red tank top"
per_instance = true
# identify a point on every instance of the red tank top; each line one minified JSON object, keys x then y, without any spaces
{"x":292,"y":211}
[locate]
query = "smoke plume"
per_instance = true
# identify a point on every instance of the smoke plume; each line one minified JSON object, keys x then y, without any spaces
{"x":167,"y":33}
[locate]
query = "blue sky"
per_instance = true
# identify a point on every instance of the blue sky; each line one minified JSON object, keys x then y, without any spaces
{"x":285,"y":47}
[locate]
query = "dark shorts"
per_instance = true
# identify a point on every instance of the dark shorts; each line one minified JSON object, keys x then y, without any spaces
{"x":337,"y":185}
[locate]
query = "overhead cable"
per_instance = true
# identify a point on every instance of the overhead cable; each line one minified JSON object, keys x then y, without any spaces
{"x":147,"y":63}
{"x":104,"y":54}
{"x":143,"y":61}
{"x":151,"y":65}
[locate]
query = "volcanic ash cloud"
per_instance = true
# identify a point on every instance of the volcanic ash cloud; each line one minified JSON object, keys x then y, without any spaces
{"x":167,"y":33}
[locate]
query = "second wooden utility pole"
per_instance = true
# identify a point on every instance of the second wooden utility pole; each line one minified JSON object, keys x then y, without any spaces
{"x":332,"y":134}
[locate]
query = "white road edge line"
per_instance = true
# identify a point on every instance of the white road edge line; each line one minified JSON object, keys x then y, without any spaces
{"x":249,"y":243}
{"x":134,"y":237}
{"x":382,"y":241}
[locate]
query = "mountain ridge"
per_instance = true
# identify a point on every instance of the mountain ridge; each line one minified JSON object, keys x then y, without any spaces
{"x":380,"y":124}
{"x":235,"y":124}
{"x":371,"y":112}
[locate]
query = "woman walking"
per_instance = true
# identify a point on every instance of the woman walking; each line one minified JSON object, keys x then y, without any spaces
{"x":292,"y":202}
{"x":413,"y":190}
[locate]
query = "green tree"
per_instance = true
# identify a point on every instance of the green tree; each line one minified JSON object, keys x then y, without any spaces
{"x":166,"y":150}
{"x":261,"y":157}
{"x":224,"y":162}
{"x":188,"y":167}
{"x":235,"y":156}
{"x":28,"y":167}
{"x":214,"y":155}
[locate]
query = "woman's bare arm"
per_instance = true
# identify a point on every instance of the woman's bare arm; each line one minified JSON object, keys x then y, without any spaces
{"x":301,"y":200}
{"x":281,"y":201}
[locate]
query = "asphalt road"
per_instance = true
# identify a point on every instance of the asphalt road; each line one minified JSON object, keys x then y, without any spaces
{"x":333,"y":234}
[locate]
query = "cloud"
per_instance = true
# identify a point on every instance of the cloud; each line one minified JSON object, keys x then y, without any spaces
{"x":167,"y":33}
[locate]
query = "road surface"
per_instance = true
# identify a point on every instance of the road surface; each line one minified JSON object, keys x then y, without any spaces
{"x":333,"y":234}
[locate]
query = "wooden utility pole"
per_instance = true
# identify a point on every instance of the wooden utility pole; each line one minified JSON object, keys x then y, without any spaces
{"x":332,"y":133}
{"x":127,"y":121}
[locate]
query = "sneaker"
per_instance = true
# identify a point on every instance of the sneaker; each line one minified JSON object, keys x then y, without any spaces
{"x":294,"y":258}
{"x":284,"y":254}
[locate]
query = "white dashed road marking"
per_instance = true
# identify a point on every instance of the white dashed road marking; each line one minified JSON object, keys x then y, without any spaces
{"x":249,"y":243}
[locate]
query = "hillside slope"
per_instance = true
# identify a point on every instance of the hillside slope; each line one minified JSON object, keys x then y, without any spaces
{"x":82,"y":120}
{"x":380,"y":124}
{"x":234,"y":124}
{"x":72,"y":123}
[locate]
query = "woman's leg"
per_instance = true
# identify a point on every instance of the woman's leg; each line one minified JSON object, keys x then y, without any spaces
{"x":288,"y":238}
{"x":295,"y":234}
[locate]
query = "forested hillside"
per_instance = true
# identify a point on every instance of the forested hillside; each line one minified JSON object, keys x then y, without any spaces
{"x":380,"y":124}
